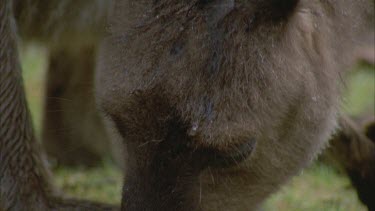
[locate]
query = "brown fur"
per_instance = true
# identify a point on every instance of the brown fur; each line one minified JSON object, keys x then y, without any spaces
{"x":24,"y":179}
{"x":242,"y":75}
{"x":219,"y":102}
{"x":73,"y":131}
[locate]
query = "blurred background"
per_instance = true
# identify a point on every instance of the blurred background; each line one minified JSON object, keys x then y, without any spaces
{"x":320,"y":187}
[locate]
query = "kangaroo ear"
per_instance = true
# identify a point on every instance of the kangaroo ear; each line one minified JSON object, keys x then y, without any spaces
{"x":276,"y":9}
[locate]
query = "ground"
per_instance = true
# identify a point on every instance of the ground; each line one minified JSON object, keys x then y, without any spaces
{"x":319,"y":187}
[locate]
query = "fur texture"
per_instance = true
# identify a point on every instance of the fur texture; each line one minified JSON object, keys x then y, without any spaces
{"x":219,"y":102}
{"x":73,"y":132}
{"x":244,"y":73}
{"x":24,"y":179}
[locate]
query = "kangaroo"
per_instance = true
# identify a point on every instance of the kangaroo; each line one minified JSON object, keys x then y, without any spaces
{"x":192,"y":84}
{"x":353,"y":150}
{"x":219,"y":103}
{"x":24,"y":178}
{"x":73,"y":132}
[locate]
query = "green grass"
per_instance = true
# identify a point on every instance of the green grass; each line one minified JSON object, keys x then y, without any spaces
{"x":34,"y":63}
{"x":360,"y":91}
{"x":99,"y":184}
{"x":317,"y":188}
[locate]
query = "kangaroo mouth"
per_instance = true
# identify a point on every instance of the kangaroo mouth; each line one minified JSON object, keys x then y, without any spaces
{"x":235,"y":155}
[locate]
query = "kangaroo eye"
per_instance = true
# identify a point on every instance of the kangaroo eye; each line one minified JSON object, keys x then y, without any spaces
{"x":202,"y":3}
{"x":205,"y":1}
{"x":215,"y":10}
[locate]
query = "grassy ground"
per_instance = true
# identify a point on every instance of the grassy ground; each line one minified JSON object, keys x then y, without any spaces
{"x":317,"y":188}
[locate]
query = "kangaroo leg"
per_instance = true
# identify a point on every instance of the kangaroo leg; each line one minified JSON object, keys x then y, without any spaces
{"x":24,"y":178}
{"x":73,"y":131}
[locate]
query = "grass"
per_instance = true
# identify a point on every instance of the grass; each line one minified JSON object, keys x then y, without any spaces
{"x":34,"y":63}
{"x":317,"y":188}
{"x":99,"y":184}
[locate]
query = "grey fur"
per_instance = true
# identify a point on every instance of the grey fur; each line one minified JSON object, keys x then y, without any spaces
{"x":181,"y":86}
